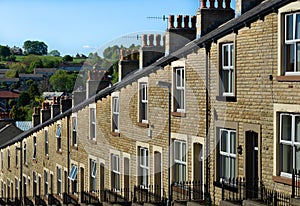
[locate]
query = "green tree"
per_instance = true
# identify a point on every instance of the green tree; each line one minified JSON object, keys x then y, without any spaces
{"x":33,"y":91}
{"x":54,"y":53}
{"x":67,"y":58}
{"x":4,"y":52}
{"x":35,"y":47}
{"x":62,"y":81}
{"x":35,"y":64}
{"x":24,"y":99}
{"x":18,"y":113}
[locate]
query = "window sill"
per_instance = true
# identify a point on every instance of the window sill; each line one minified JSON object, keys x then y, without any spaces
{"x":178,"y":114}
{"x":34,"y":161}
{"x":47,"y":157}
{"x":93,"y":141}
{"x":226,"y":98}
{"x":25,"y":164}
{"x":141,"y":124}
{"x":288,"y":78}
{"x":115,"y":134}
{"x":283,"y":180}
{"x":58,"y":152}
{"x":74,"y":147}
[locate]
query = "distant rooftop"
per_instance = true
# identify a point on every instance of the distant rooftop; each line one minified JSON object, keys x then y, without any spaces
{"x":8,"y":95}
{"x":24,"y":125}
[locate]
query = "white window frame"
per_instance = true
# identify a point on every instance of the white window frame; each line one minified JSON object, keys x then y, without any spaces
{"x":228,"y":154}
{"x":58,"y":137}
{"x":182,"y":161}
{"x":293,"y":143}
{"x":144,"y":167}
{"x":294,"y":41}
{"x":73,"y":172}
{"x":8,"y":158}
{"x":229,"y":68}
{"x":144,"y":93}
{"x":92,"y":114}
{"x":74,"y":131}
{"x":181,"y":88}
{"x":34,"y":155}
{"x":16,"y":187}
{"x":115,"y":169}
{"x":46,"y":182}
{"x":59,"y":180}
{"x":116,"y":113}
{"x":25,"y":153}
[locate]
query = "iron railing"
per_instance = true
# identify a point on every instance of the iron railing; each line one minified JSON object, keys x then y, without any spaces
{"x":296,"y":184}
{"x":39,"y":200}
{"x":91,"y":198}
{"x":68,"y":199}
{"x":150,"y":194}
{"x":121,"y":196}
{"x":52,"y":200}
{"x":187,"y":191}
{"x":28,"y":201}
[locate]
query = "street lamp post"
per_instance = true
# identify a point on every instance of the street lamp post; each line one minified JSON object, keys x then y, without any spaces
{"x":168,"y":86}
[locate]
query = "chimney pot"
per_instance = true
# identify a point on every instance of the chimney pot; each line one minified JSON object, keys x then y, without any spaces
{"x":220,"y":4}
{"x":135,"y":55}
{"x":203,"y":4}
{"x":121,"y":54}
{"x":158,"y":39}
{"x":227,"y":4}
{"x":151,"y":40}
{"x":171,"y":21}
{"x":128,"y":55}
{"x":193,"y":20}
{"x":144,"y":38}
{"x":186,"y":21}
{"x":211,"y":4}
{"x":53,"y":100}
{"x":179,"y":21}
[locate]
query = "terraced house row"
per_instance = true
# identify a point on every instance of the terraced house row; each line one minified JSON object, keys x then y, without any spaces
{"x":207,"y":114}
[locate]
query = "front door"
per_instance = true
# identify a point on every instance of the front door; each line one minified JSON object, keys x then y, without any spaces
{"x":251,"y":154}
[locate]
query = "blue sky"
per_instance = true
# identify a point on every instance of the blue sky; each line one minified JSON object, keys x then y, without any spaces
{"x":82,"y":26}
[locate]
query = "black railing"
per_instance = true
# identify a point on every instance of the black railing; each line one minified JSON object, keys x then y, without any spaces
{"x":2,"y":201}
{"x":91,"y":198}
{"x":39,"y":200}
{"x":296,"y":184}
{"x":121,"y":196}
{"x":151,"y":194}
{"x":52,"y":200}
{"x":188,"y":191}
{"x":239,"y":189}
{"x":68,"y":199}
{"x":28,"y":201}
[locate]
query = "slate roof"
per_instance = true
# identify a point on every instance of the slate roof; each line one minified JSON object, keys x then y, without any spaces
{"x":8,"y":132}
{"x":24,"y":125}
{"x":258,"y":12}
{"x":8,"y":95}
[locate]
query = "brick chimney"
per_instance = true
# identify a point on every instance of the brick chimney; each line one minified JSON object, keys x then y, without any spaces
{"x":65,"y":104}
{"x":153,"y":48}
{"x":45,"y":112}
{"x":78,"y":96}
{"x":129,"y":62}
{"x":244,"y":5}
{"x":36,"y":116}
{"x":211,"y":17}
{"x":97,"y":80}
{"x":55,"y":107}
{"x":181,"y":34}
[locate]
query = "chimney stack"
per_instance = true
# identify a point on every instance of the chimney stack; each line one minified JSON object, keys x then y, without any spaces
{"x":210,"y":18}
{"x":55,"y":107}
{"x":45,"y":112}
{"x":36,"y":117}
{"x":129,"y":61}
{"x":97,"y":80}
{"x":177,"y":37}
{"x":243,"y":6}
{"x":65,"y":104}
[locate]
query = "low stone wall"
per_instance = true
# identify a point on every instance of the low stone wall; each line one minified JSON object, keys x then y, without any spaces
{"x":295,"y":202}
{"x":251,"y":203}
{"x":228,"y":203}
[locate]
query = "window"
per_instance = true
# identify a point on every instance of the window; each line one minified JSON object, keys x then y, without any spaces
{"x":179,"y":101}
{"x":34,"y":189}
{"x":143,"y":167}
{"x":115,"y":172}
{"x":8,"y":159}
{"x":289,"y":143}
{"x":179,"y":161}
{"x":227,"y":154}
{"x":24,"y":154}
{"x":73,"y":178}
{"x":2,"y":160}
{"x":115,"y":114}
{"x":93,"y":177}
{"x":46,"y":143}
{"x":46,"y":183}
{"x":16,"y":187}
{"x":58,"y":137}
{"x":292,"y":44}
{"x":8,"y":189}
{"x":17,"y":157}
{"x":3,"y":189}
{"x":34,"y":148}
{"x":59,"y":180}
{"x":93,"y":123}
{"x":24,"y":186}
{"x":144,"y":102}
{"x":74,"y":134}
{"x":227,"y":70}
